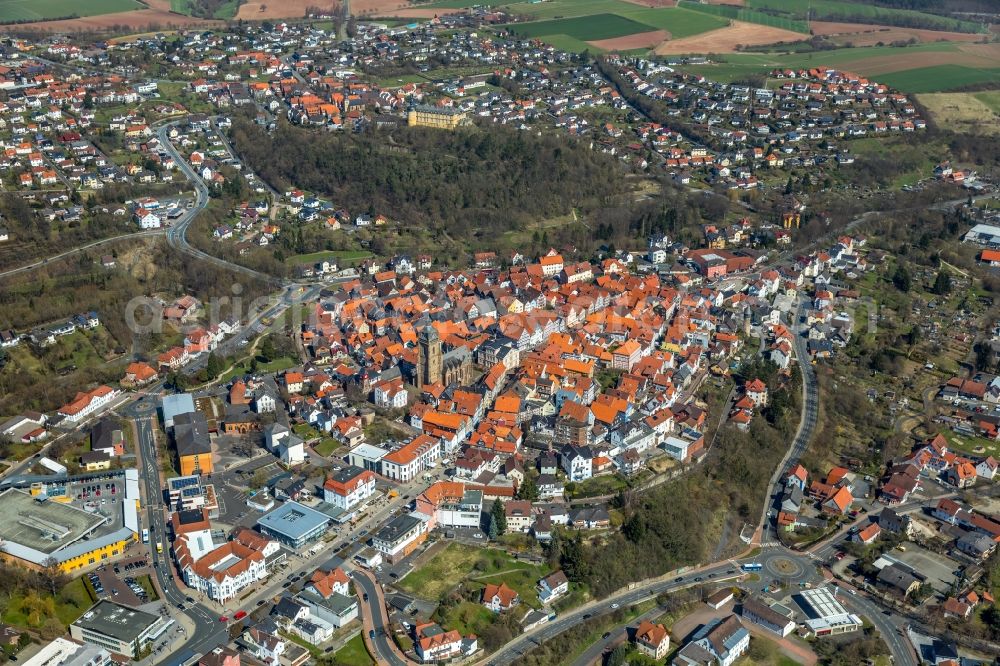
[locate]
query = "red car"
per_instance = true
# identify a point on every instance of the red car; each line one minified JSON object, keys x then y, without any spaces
{"x":841,"y":555}
{"x":223,"y":619}
{"x":240,"y":615}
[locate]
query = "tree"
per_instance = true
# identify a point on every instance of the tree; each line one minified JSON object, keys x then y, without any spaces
{"x":268,"y":352}
{"x":52,"y":576}
{"x":498,"y":515}
{"x":258,"y":479}
{"x":492,"y":531}
{"x":942,"y":284}
{"x":901,"y":279}
{"x":572,"y":560}
{"x":528,"y":490}
{"x":214,"y":366}
{"x":617,"y":656}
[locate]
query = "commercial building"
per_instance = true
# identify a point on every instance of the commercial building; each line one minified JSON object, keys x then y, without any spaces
{"x":827,"y":616}
{"x":409,"y":460}
{"x":64,"y":652}
{"x":367,"y":456}
{"x":294,"y":524}
{"x":400,"y":536}
{"x":187,"y":493}
{"x":194,"y":446}
{"x":34,"y":530}
{"x":220,"y":571}
{"x":449,"y":504}
{"x":117,"y":628}
{"x":172,"y":405}
{"x":349,"y":487}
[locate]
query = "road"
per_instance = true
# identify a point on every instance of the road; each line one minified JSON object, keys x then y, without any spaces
{"x":209,"y":633}
{"x":177,"y":234}
{"x":375,"y":617}
{"x":767,"y":529}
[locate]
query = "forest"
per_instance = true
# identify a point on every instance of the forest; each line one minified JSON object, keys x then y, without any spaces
{"x":452,"y":182}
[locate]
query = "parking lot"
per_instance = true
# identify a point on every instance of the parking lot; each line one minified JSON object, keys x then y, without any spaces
{"x":938,"y":568}
{"x":119,"y":582}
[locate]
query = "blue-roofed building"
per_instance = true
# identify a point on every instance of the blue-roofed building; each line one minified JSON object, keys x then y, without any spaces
{"x":294,"y":524}
{"x":175,"y":405}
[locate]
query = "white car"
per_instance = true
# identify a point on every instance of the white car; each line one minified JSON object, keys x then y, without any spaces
{"x":477,"y":535}
{"x":614,"y":606}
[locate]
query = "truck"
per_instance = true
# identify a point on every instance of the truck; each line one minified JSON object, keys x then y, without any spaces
{"x":145,"y":535}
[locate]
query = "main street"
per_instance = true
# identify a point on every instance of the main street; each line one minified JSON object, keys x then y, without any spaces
{"x":208,"y":632}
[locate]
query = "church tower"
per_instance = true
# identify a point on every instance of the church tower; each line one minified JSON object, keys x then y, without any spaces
{"x":429,"y":370}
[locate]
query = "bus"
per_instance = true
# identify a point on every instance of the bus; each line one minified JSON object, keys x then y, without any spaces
{"x":752,"y":566}
{"x":145,"y":536}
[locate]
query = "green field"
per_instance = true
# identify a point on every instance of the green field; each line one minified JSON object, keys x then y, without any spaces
{"x":748,"y":15}
{"x":940,"y":78}
{"x":834,"y":10}
{"x":936,"y":78}
{"x":990,"y":99}
{"x":586,"y":28}
{"x":36,"y":10}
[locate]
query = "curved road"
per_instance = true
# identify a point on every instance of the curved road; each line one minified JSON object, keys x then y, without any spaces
{"x":177,"y":234}
{"x":807,"y":426}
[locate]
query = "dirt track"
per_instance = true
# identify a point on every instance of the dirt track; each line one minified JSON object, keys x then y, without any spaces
{"x":725,"y":40}
{"x":869,"y":35}
{"x":641,"y":40}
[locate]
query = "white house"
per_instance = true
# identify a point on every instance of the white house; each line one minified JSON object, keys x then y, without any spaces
{"x":349,"y":487}
{"x":552,"y":587}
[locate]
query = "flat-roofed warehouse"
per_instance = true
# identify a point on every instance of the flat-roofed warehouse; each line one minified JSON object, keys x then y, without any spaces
{"x":34,"y":530}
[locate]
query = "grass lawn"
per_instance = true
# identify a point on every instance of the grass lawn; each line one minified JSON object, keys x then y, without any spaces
{"x":459,"y":562}
{"x":990,"y":99}
{"x":469,"y":617}
{"x":277,"y":365}
{"x":599,"y":485}
{"x":606,"y":623}
{"x":31,"y":611}
{"x":326,"y":446}
{"x":969,"y":444}
{"x":23,"y":10}
{"x":354,"y":653}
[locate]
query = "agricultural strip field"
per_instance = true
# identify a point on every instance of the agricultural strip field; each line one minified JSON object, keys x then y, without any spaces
{"x":748,"y":15}
{"x":932,"y":67}
{"x":834,"y":10}
{"x":37,"y":10}
{"x":598,"y":26}
{"x":678,"y":22}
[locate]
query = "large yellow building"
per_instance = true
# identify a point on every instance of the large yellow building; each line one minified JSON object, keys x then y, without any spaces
{"x":441,"y":117}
